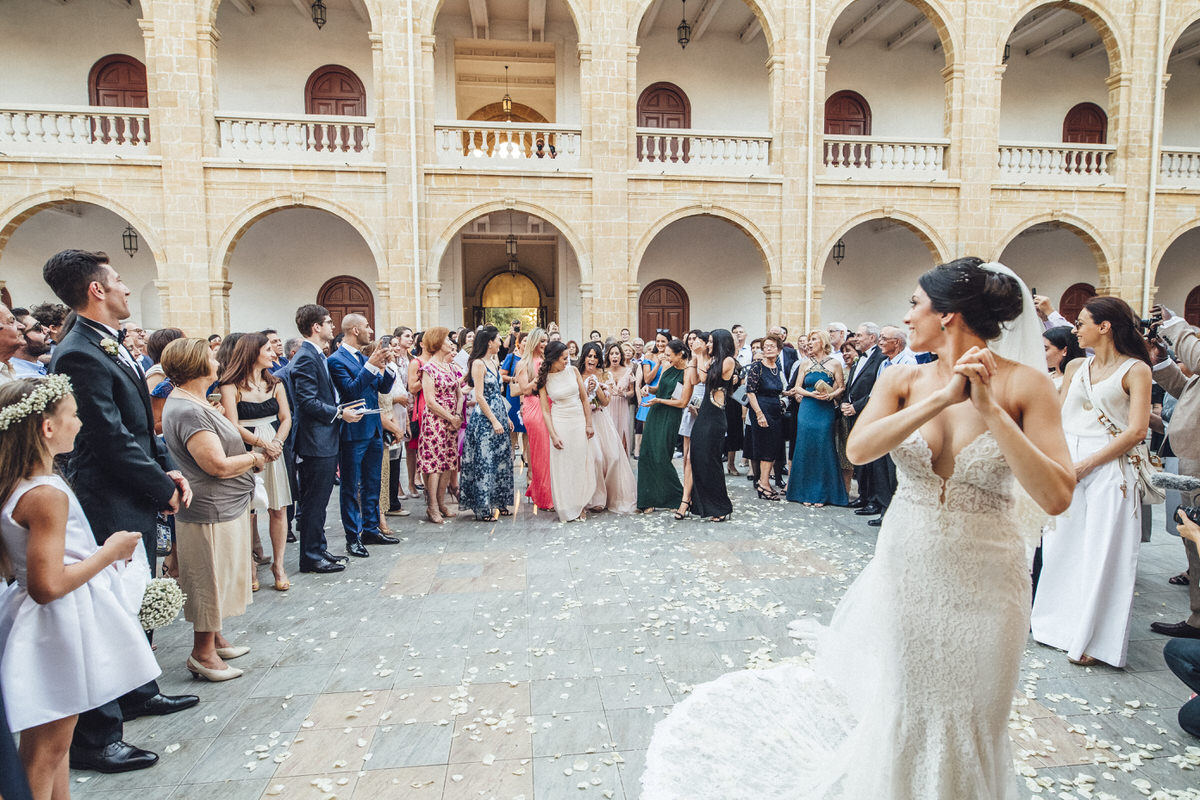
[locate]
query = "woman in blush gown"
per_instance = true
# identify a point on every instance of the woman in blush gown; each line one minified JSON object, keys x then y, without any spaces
{"x":910,"y":692}
{"x":616,"y":488}
{"x":539,"y":490}
{"x":622,"y":391}
{"x":569,"y":425}
{"x":816,"y":478}
{"x":710,"y":498}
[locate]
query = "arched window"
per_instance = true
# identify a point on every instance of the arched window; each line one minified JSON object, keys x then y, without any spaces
{"x":1086,"y":123}
{"x":1191,"y":307}
{"x":508,"y":290}
{"x":118,"y":80}
{"x":663,"y":105}
{"x":1074,"y":299}
{"x":344,"y":295}
{"x":663,"y":304}
{"x":335,"y":91}
{"x":847,"y":114}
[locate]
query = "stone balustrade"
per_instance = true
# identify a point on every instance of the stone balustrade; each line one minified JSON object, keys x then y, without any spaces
{"x":297,"y":137}
{"x":1180,"y":165}
{"x":874,"y":155}
{"x":79,"y":129}
{"x":507,"y":145}
{"x":710,"y":152}
{"x":1057,"y":162}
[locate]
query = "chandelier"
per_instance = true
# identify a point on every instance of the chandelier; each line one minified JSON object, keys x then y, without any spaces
{"x":684,"y":31}
{"x":318,"y":14}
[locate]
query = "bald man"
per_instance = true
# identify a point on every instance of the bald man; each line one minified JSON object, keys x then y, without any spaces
{"x":360,"y":450}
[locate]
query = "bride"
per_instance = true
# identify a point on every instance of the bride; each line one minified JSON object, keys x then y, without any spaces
{"x":909,"y":694}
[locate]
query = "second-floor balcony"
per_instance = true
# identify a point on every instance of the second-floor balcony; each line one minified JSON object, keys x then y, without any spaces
{"x":877,"y":157}
{"x":507,"y":145}
{"x":700,"y":152}
{"x":74,"y":130}
{"x":308,"y":138}
{"x":1088,"y":164}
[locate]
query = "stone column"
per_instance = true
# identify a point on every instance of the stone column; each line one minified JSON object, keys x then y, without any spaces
{"x":797,"y":107}
{"x":218,"y":304}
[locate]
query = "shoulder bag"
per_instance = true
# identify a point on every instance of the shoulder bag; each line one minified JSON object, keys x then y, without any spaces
{"x":1144,"y":463}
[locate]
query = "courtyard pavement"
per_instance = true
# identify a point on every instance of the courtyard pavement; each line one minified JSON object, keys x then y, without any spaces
{"x":531,"y":659}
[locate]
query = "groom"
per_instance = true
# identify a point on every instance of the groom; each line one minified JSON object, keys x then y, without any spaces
{"x":118,"y":471}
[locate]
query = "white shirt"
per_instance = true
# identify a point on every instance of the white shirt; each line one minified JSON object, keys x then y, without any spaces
{"x":27,"y":369}
{"x":745,"y":356}
{"x":122,"y":353}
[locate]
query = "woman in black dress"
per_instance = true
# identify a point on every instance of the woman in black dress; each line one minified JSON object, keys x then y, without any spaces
{"x":765,"y":439}
{"x":709,"y":496}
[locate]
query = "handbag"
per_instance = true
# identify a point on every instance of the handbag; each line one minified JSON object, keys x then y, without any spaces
{"x":1145,"y":464}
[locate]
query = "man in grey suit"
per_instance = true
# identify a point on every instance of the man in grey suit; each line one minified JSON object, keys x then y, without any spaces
{"x":1183,"y":437}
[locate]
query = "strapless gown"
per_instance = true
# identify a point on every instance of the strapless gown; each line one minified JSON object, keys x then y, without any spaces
{"x":909,"y":694}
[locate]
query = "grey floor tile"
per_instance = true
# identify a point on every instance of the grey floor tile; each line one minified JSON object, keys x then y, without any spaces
{"x":269,"y":714}
{"x":634,"y":691}
{"x":631,"y":728}
{"x":582,"y":732}
{"x":225,"y":790}
{"x":303,"y":679}
{"x":558,"y":778}
{"x":560,"y":696}
{"x":415,"y":745}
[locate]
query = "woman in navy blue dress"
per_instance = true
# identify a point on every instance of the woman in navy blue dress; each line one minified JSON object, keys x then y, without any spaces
{"x":816,"y":478}
{"x":764,"y":428}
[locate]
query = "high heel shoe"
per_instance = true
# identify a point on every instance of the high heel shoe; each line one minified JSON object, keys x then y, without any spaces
{"x":445,"y":512}
{"x":198,"y":671}
{"x":767,"y":494}
{"x":687,"y":511}
{"x":433,"y":516}
{"x":232,"y":652}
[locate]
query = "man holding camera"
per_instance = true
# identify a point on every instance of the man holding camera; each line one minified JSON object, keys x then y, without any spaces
{"x":1183,"y":436}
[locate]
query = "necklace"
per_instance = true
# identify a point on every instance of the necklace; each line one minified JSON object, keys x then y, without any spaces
{"x":194,"y":398}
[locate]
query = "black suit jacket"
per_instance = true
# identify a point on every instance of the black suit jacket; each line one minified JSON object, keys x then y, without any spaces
{"x":862,"y":381}
{"x":117,"y":470}
{"x":315,"y":413}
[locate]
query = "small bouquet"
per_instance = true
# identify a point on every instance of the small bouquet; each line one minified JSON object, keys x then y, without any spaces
{"x":161,"y":603}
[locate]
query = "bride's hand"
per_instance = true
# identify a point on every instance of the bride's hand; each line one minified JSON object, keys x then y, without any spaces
{"x":978,"y":365}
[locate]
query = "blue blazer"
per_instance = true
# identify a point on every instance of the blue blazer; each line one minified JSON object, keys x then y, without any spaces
{"x":315,"y":413}
{"x":355,"y":382}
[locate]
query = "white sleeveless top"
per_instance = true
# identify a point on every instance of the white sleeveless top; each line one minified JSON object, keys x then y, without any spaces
{"x":1080,"y":417}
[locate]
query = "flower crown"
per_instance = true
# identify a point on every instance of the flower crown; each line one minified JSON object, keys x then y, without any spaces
{"x":47,"y":391}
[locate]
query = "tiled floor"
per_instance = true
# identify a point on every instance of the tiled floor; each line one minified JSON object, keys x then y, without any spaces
{"x":531,"y":659}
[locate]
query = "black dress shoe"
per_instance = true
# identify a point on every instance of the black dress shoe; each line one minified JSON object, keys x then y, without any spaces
{"x":324,"y":566}
{"x":160,"y":705}
{"x":869,"y":510}
{"x":357,"y":550}
{"x":335,"y":559}
{"x":875,"y":523}
{"x":379,"y":538}
{"x":859,"y":503}
{"x":116,"y":757}
{"x":1180,"y":629}
{"x":291,"y":537}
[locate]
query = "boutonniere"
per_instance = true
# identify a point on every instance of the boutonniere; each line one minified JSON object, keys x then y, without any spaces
{"x":110,"y":346}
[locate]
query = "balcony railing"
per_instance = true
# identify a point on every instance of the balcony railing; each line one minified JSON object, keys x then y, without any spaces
{"x":74,"y":129}
{"x":1058,"y":162}
{"x":872,"y":155}
{"x":311,"y":137}
{"x":507,"y":145}
{"x":673,"y":150}
{"x":1180,"y":165}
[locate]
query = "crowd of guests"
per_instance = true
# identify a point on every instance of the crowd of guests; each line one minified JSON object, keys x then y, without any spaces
{"x":199,"y":444}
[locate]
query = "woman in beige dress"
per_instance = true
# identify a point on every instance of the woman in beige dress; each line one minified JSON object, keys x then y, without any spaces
{"x":569,"y":423}
{"x":211,"y":559}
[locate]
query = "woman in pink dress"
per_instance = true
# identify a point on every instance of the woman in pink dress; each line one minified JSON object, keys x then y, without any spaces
{"x":535,"y":426}
{"x":437,"y":448}
{"x":621,"y":389}
{"x":615,"y":488}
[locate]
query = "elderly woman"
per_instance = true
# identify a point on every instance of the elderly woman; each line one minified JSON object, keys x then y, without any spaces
{"x":212,"y":536}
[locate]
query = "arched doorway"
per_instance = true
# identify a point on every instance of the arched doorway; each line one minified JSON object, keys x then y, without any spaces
{"x":510,"y":296}
{"x":1086,"y":123}
{"x":335,"y":91}
{"x":1074,"y":299}
{"x":847,"y":113}
{"x":118,"y":80}
{"x":663,"y":106}
{"x":344,"y":295}
{"x":1191,"y":307}
{"x":663,"y":305}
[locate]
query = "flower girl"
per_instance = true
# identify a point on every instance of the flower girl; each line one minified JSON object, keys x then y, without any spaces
{"x":67,"y":642}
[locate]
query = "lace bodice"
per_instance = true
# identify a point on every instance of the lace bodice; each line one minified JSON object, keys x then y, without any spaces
{"x":981,"y":480}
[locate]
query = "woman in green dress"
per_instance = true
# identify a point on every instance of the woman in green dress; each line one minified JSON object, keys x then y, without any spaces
{"x":658,"y":483}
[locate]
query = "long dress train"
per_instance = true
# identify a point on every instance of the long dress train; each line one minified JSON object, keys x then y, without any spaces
{"x":658,"y":482}
{"x":910,"y":692}
{"x":616,"y":488}
{"x":816,"y":476}
{"x":572,"y":470}
{"x":539,"y":490}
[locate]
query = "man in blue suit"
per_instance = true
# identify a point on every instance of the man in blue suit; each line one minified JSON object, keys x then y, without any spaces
{"x":360,"y":459}
{"x":317,"y":418}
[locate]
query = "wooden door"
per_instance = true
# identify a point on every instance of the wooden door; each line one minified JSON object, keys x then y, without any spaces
{"x":118,"y":81}
{"x":1191,"y":307}
{"x":346,"y":295}
{"x":848,"y":114}
{"x":1074,"y":299}
{"x":335,"y":91}
{"x":1086,"y":123}
{"x":664,"y":105}
{"x":663,"y":304}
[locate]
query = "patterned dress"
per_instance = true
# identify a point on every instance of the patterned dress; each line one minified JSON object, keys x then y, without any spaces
{"x":487,"y":465}
{"x":437,"y":447}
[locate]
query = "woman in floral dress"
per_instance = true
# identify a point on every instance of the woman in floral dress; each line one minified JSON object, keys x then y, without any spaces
{"x":437,"y":447}
{"x":487,"y":465}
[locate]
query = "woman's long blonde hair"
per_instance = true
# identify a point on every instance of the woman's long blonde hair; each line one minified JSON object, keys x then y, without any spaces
{"x":536,"y":337}
{"x":22,"y":449}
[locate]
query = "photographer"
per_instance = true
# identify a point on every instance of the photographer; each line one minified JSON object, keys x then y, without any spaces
{"x":1183,"y":435}
{"x":1183,"y":657}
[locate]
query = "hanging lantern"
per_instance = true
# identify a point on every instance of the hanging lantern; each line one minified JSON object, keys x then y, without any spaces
{"x":129,"y":241}
{"x":318,"y":14}
{"x":510,"y":245}
{"x":684,"y":31}
{"x":1007,"y":52}
{"x":506,"y":103}
{"x":839,"y":251}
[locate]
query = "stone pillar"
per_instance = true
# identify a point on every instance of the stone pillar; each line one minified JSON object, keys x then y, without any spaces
{"x":587,"y":309}
{"x":633,"y":291}
{"x":218,"y":304}
{"x":797,"y":107}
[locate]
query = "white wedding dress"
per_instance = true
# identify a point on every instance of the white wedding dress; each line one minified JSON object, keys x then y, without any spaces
{"x":910,"y":691}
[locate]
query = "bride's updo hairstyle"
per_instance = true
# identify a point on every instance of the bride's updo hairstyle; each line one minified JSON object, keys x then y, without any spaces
{"x":984,"y":299}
